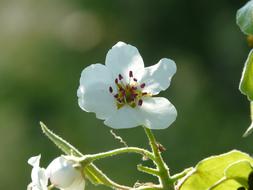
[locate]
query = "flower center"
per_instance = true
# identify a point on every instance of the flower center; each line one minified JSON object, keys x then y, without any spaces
{"x":130,"y":93}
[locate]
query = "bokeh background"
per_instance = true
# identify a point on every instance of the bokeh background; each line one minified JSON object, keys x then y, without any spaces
{"x":44,"y":45}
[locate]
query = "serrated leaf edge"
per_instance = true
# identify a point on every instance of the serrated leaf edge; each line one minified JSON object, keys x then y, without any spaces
{"x":62,"y":144}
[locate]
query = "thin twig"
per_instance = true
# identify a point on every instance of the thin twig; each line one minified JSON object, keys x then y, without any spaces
{"x":117,"y":137}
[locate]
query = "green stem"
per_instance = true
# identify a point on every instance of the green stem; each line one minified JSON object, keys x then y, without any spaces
{"x":251,"y":110}
{"x":92,"y":157}
{"x":164,"y":176}
{"x":97,"y":176}
{"x":148,"y":170}
{"x":250,"y":128}
{"x":181,"y":175}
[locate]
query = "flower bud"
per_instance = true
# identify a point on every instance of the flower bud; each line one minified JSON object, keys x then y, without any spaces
{"x":63,"y":175}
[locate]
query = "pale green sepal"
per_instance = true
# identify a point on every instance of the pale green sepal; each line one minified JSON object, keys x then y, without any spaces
{"x":210,"y":171}
{"x":62,"y":144}
{"x":244,"y":18}
{"x":246,"y":83}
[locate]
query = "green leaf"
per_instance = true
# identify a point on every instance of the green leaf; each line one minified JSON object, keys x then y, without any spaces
{"x":228,"y":184}
{"x":211,"y":170}
{"x":62,"y":144}
{"x":239,"y":172}
{"x":246,"y":83}
{"x":236,"y":175}
{"x":244,"y":18}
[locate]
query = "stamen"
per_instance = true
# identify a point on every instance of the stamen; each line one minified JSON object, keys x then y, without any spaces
{"x":140,"y":102}
{"x":123,"y":92}
{"x":130,"y":74}
{"x":110,"y":89}
{"x":128,"y":93}
{"x":120,"y":77}
{"x":142,"y":85}
{"x":133,"y":96}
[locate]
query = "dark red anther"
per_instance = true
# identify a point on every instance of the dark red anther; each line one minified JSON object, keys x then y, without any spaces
{"x":134,"y":95}
{"x":144,"y":93}
{"x":142,"y":85}
{"x":134,"y":87}
{"x":123,"y":92}
{"x":120,"y":77}
{"x":116,"y":95}
{"x":121,"y":89}
{"x":130,"y":73}
{"x":135,"y":79}
{"x":140,"y":102}
{"x":116,"y":81}
{"x":110,"y":89}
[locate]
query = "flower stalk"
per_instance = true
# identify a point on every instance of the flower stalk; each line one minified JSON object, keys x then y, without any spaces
{"x":97,"y":176}
{"x":182,"y":174}
{"x":163,"y":171}
{"x":148,"y":170}
{"x":92,"y":157}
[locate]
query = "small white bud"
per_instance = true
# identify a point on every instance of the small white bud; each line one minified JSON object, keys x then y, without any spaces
{"x":64,"y":175}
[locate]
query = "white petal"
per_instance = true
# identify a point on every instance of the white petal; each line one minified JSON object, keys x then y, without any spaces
{"x":123,"y":58}
{"x":93,"y":92}
{"x":96,"y":74}
{"x":34,"y":161}
{"x":158,"y":76}
{"x":125,"y":117}
{"x":157,"y":113}
{"x":30,"y":186}
{"x":97,"y":100}
{"x":62,"y":173}
{"x":39,"y":178}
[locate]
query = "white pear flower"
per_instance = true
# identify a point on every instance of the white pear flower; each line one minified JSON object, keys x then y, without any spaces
{"x":39,"y":177}
{"x":63,"y":174}
{"x":122,"y":91}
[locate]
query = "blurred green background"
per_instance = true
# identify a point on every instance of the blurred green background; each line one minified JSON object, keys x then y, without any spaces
{"x":44,"y":45}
